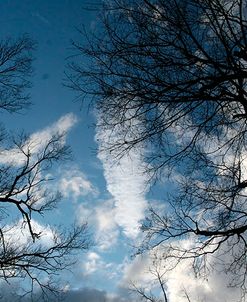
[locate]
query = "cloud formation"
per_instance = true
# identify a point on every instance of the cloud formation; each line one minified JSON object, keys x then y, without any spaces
{"x":100,"y":216}
{"x":60,"y":127}
{"x":180,"y":282}
{"x":107,"y":230}
{"x":18,"y":234}
{"x":36,"y":141}
{"x":75,"y":184}
{"x":125,"y":181}
{"x":93,"y":263}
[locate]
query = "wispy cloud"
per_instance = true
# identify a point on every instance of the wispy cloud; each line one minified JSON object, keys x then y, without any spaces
{"x":60,"y":127}
{"x":36,"y":141}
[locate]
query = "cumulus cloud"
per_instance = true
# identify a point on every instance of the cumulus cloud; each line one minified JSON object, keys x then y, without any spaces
{"x":215,"y":289}
{"x":180,"y":280}
{"x":125,"y":181}
{"x":36,"y":141}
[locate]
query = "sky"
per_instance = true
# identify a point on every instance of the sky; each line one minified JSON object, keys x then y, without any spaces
{"x":92,"y":189}
{"x":112,"y":197}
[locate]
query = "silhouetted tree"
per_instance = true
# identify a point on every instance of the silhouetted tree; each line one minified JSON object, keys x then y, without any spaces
{"x":15,"y":69}
{"x":170,"y":75}
{"x":28,"y":250}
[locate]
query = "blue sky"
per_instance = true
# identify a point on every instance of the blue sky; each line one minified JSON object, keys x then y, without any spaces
{"x":92,"y":190}
{"x":112,"y":197}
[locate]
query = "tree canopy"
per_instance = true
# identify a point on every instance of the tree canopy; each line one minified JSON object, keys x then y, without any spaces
{"x":170,"y":76}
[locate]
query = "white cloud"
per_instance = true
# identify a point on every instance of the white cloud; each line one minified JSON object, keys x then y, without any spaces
{"x":101,"y":217}
{"x":95,"y":264}
{"x":137,"y":271}
{"x":36,"y":141}
{"x":125,"y":181}
{"x":179,"y":280}
{"x":75,"y":183}
{"x":39,"y":139}
{"x":214,"y":288}
{"x":107,"y":230}
{"x":18,"y":235}
{"x":62,"y":126}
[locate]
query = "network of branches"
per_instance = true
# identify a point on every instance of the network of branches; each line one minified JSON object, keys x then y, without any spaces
{"x":29,"y":251}
{"x":170,"y":75}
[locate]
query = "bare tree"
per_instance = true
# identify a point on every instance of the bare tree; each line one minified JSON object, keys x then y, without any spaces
{"x":157,"y":280}
{"x":170,"y":75}
{"x":15,"y":69}
{"x":30,"y":251}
